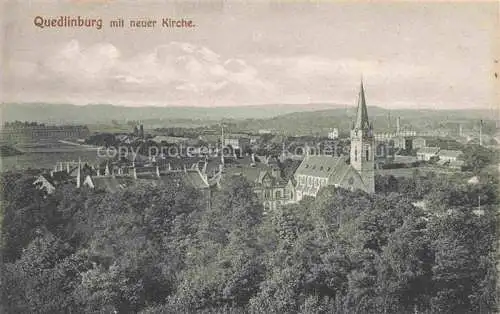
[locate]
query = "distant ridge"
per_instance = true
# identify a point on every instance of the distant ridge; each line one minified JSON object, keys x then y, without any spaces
{"x":99,"y":113}
{"x":105,"y":113}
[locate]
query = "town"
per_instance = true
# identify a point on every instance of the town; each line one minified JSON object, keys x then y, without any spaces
{"x":279,"y":176}
{"x":333,"y":157}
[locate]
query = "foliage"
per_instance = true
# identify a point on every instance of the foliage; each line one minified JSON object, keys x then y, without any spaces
{"x":163,"y":250}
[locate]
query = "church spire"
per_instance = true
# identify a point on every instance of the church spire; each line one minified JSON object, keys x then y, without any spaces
{"x":362,"y":113}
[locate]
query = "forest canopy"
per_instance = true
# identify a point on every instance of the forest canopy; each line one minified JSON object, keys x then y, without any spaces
{"x":160,"y":250}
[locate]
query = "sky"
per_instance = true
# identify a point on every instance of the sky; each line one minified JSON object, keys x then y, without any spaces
{"x":437,"y":55}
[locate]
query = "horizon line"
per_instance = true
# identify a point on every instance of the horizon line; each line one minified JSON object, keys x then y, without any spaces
{"x":332,"y":104}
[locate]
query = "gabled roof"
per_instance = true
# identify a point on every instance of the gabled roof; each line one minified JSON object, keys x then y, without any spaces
{"x":54,"y":179}
{"x":112,"y":183}
{"x":322,"y":166}
{"x":450,"y":153}
{"x":428,"y":150}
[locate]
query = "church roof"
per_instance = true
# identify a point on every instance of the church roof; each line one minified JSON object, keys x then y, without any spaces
{"x":323,"y":166}
{"x":362,"y":112}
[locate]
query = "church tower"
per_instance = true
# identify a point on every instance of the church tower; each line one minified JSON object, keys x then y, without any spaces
{"x":362,"y":144}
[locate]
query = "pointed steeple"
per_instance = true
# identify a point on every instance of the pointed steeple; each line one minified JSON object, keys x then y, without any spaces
{"x":362,"y":113}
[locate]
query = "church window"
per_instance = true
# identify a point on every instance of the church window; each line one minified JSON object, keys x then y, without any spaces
{"x":278,"y":194}
{"x":367,"y":155}
{"x":355,"y":154}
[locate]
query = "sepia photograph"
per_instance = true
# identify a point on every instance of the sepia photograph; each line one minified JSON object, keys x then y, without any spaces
{"x":249,"y":156}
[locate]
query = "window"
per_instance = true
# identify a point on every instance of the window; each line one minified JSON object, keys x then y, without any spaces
{"x":355,"y":154}
{"x":367,"y":155}
{"x":267,"y":194}
{"x":278,"y":194}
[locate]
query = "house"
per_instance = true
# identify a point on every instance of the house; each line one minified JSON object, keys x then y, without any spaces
{"x":269,"y":186}
{"x":449,"y":155}
{"x":318,"y":171}
{"x":333,"y":134}
{"x":419,"y":142}
{"x":240,"y":143}
{"x":124,"y":178}
{"x":426,"y":153}
{"x":60,"y":175}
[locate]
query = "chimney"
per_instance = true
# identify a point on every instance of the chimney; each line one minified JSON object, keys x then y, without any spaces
{"x":78,"y":174}
{"x":275,"y":172}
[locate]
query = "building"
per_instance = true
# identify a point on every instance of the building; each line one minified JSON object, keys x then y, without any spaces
{"x":114,"y":180}
{"x":241,"y":144}
{"x":402,"y":142}
{"x":449,"y":155}
{"x":316,"y":172}
{"x":427,"y":153}
{"x":419,"y":142}
{"x":333,"y":134}
{"x":30,"y":132}
{"x":270,"y":187}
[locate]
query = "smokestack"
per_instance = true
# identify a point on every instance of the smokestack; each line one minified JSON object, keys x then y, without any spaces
{"x":481,"y":133}
{"x":398,"y":125}
{"x":78,"y":174}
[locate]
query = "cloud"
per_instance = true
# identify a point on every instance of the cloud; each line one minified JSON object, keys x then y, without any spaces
{"x":182,"y":73}
{"x":178,"y":70}
{"x":77,"y":64}
{"x":307,"y":66}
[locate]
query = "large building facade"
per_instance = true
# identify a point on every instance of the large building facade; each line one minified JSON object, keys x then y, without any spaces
{"x":357,"y":172}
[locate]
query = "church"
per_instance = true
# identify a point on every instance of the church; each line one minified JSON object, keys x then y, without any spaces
{"x":355,"y":172}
